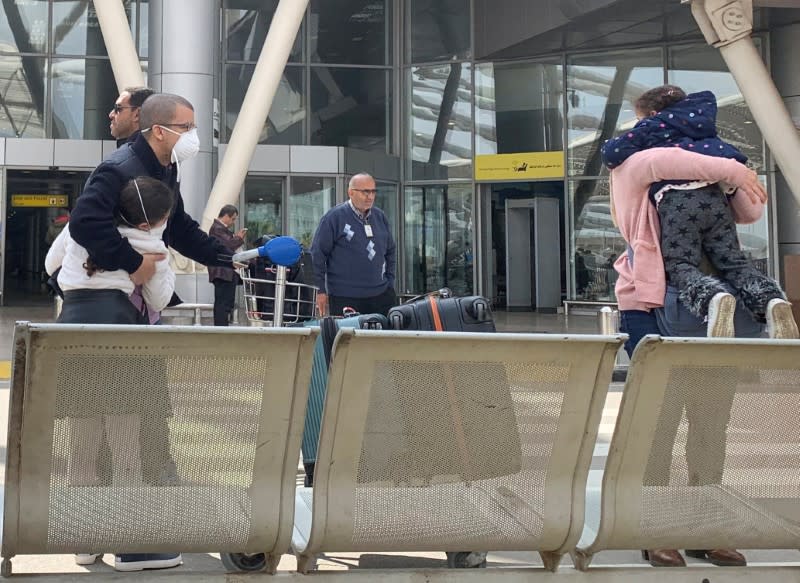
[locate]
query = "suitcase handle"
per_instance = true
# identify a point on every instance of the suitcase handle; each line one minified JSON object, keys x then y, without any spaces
{"x":439,"y":293}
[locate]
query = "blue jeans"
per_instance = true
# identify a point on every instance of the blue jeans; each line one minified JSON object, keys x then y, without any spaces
{"x":637,"y":324}
{"x":706,"y":438}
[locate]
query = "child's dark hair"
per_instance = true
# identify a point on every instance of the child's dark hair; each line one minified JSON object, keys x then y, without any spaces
{"x":156,"y":202}
{"x":659,"y":98}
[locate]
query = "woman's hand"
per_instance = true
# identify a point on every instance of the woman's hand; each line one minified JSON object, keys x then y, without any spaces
{"x":753,"y":189}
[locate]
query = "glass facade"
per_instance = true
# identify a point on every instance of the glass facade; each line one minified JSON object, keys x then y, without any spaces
{"x":54,"y":68}
{"x":263,"y":206}
{"x":440,"y":122}
{"x":438,"y":30}
{"x":519,"y":107}
{"x":337,"y":88}
{"x":310,"y":198}
{"x":438,"y":237}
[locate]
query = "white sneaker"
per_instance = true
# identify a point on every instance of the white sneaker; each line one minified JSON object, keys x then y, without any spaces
{"x":87,"y":558}
{"x":780,"y":320}
{"x":720,"y":316}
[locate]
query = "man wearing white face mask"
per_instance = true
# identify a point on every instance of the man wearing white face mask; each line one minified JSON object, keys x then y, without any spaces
{"x":168,"y":138}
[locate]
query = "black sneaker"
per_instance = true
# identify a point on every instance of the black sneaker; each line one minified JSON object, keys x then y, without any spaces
{"x":141,"y":561}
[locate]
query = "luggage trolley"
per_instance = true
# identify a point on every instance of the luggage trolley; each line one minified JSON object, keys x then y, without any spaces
{"x":264,"y":292}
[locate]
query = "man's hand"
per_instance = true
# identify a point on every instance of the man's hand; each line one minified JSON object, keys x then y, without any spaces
{"x":241,"y":233}
{"x":753,"y":189}
{"x":147,"y":269}
{"x":322,"y":304}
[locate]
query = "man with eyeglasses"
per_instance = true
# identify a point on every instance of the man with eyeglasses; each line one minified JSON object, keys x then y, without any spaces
{"x":353,"y":253}
{"x":125,"y":114}
{"x":168,"y":138}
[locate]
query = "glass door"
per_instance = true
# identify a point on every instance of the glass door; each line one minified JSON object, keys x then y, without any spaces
{"x":263,"y":207}
{"x":309,"y":199}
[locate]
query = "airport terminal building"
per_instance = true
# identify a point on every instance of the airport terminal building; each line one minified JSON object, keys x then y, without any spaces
{"x":481,"y":120}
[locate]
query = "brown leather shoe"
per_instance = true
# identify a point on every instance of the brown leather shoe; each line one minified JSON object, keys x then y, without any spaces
{"x":719,"y":557}
{"x":664,"y":558}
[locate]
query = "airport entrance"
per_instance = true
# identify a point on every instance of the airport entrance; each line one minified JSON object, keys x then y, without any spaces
{"x":35,"y":208}
{"x":522,"y":244}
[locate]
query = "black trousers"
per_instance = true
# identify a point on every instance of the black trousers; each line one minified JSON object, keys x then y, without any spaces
{"x":379,"y":304}
{"x":224,"y":299}
{"x":113,"y":307}
{"x":697,"y":221}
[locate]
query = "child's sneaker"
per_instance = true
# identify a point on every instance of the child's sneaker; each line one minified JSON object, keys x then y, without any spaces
{"x":780,"y":320}
{"x":720,"y":316}
{"x":87,"y":558}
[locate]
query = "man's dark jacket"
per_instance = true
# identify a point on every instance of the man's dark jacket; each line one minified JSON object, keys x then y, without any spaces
{"x":231,"y":242}
{"x":93,"y":225}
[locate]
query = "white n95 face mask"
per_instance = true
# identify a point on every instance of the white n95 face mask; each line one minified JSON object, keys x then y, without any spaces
{"x":186,"y":148}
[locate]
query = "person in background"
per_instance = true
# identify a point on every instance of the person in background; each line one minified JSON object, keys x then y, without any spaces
{"x":126,"y":112}
{"x":353,"y":254}
{"x":225,"y":279}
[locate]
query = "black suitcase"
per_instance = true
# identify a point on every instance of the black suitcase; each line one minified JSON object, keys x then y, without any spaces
{"x":469,"y":314}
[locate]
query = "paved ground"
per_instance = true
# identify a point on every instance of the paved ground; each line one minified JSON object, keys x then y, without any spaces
{"x":210,"y":563}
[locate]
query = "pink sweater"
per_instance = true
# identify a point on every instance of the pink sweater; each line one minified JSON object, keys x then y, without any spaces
{"x":643,"y":286}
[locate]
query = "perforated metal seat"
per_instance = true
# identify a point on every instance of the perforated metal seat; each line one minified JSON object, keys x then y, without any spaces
{"x":455,"y":441}
{"x":706,"y":451}
{"x":203,"y":427}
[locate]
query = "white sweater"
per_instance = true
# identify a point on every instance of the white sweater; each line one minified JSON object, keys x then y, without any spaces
{"x":67,"y":254}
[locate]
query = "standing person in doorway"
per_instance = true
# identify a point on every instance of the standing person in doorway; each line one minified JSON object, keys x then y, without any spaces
{"x":125,"y":115}
{"x":353,"y":253}
{"x":225,"y":279}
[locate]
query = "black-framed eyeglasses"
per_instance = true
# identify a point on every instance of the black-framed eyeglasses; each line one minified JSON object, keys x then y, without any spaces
{"x":367,"y":191}
{"x":185,"y":126}
{"x":118,"y":108}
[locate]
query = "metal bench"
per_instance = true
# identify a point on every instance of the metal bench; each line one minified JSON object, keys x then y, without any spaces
{"x":732,"y":478}
{"x":233,"y":399}
{"x":452,"y":441}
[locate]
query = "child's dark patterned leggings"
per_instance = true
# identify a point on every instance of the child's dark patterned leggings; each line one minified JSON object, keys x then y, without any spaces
{"x":698,"y":221}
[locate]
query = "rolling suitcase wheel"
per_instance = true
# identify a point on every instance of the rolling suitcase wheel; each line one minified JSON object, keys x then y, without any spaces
{"x":396,"y":321}
{"x":466,"y":560}
{"x":243,"y":562}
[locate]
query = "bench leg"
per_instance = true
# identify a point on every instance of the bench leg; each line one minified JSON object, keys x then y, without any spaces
{"x":272,"y":563}
{"x":581,"y":559}
{"x":5,"y":568}
{"x":551,"y":560}
{"x":306,"y":563}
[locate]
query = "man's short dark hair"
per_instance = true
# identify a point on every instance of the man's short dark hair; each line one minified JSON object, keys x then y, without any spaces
{"x":228,"y":211}
{"x":160,"y":108}
{"x":138,"y":95}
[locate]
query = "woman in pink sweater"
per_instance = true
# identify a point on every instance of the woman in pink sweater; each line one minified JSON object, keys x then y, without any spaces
{"x":641,"y":287}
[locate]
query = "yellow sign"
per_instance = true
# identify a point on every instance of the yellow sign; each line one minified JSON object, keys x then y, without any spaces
{"x":522,"y":166}
{"x":39,"y":200}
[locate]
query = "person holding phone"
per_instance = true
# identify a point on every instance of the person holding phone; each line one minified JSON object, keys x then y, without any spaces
{"x":225,"y":279}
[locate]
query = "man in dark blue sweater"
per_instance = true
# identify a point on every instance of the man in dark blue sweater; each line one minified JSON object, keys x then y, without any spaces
{"x":354,"y":254}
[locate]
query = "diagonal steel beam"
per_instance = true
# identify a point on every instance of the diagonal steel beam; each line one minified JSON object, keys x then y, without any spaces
{"x":119,"y":43}
{"x":727,"y":25}
{"x":255,"y":107}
